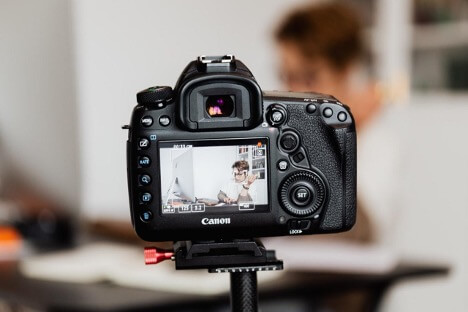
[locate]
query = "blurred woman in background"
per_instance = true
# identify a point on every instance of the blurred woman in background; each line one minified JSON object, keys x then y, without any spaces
{"x":321,"y":49}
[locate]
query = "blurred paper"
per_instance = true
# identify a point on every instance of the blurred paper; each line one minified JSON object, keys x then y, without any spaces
{"x":335,"y":256}
{"x":124,"y":265}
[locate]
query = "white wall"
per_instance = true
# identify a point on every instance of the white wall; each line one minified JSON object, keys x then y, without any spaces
{"x":432,"y":222}
{"x":38,"y":128}
{"x":213,"y":166}
{"x":125,"y":46}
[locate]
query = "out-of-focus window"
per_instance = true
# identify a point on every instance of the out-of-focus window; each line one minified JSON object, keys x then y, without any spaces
{"x":440,"y":45}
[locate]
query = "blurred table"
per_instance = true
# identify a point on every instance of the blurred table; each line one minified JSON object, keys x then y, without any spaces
{"x":294,"y":291}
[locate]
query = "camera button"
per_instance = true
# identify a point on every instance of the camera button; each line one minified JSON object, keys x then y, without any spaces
{"x":302,"y":195}
{"x":283,"y":165}
{"x":328,"y":112}
{"x":293,"y":224}
{"x":146,"y":216}
{"x":146,"y":197}
{"x":276,"y":115}
{"x":299,"y":224}
{"x":311,"y":108}
{"x":146,"y":121}
{"x":303,"y":224}
{"x":298,"y":157}
{"x":164,"y":121}
{"x":342,"y":116}
{"x":144,"y":161}
{"x":289,"y":141}
{"x":143,"y":143}
{"x":145,"y":179}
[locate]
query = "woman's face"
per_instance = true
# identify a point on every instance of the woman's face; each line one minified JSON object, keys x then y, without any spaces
{"x":308,"y":75}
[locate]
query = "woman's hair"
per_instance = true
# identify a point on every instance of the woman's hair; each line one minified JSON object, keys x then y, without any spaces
{"x":332,"y":31}
{"x":241,"y":165}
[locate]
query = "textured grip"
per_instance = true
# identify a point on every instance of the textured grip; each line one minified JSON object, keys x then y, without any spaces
{"x":244,"y":296}
{"x":332,"y":152}
{"x":351,"y":173}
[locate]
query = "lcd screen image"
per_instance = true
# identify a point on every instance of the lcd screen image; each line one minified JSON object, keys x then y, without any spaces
{"x":229,"y":176}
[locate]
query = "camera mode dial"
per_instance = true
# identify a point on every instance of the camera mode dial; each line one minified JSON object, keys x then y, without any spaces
{"x":302,"y":193}
{"x":155,"y":96}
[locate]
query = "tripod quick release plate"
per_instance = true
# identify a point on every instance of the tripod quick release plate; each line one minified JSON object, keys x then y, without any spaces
{"x":225,"y":257}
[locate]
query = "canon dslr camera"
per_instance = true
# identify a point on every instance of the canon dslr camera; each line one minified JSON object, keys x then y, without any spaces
{"x":217,"y":158}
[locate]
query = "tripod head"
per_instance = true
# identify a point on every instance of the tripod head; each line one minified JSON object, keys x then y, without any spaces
{"x":241,"y":258}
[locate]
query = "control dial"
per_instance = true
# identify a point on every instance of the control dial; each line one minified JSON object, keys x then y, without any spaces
{"x":155,"y":96}
{"x":302,"y":193}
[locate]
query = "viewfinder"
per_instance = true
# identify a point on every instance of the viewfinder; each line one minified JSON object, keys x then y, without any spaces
{"x":220,"y":105}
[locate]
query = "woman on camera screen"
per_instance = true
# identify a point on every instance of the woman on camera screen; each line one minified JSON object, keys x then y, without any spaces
{"x":240,"y":188}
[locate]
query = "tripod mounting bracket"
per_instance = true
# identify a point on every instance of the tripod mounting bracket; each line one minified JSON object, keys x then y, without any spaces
{"x":234,"y":256}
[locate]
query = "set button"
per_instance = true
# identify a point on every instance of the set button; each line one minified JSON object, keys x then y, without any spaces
{"x":302,"y":195}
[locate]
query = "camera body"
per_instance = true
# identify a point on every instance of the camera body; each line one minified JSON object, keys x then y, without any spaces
{"x":216,"y":158}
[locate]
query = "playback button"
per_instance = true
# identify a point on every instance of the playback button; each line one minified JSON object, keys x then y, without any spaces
{"x":146,"y":198}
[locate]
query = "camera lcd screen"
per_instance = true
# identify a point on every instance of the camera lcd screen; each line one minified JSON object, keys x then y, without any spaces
{"x":214,"y":176}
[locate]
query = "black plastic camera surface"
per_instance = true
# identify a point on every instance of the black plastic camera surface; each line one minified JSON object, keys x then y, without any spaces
{"x":217,"y":158}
